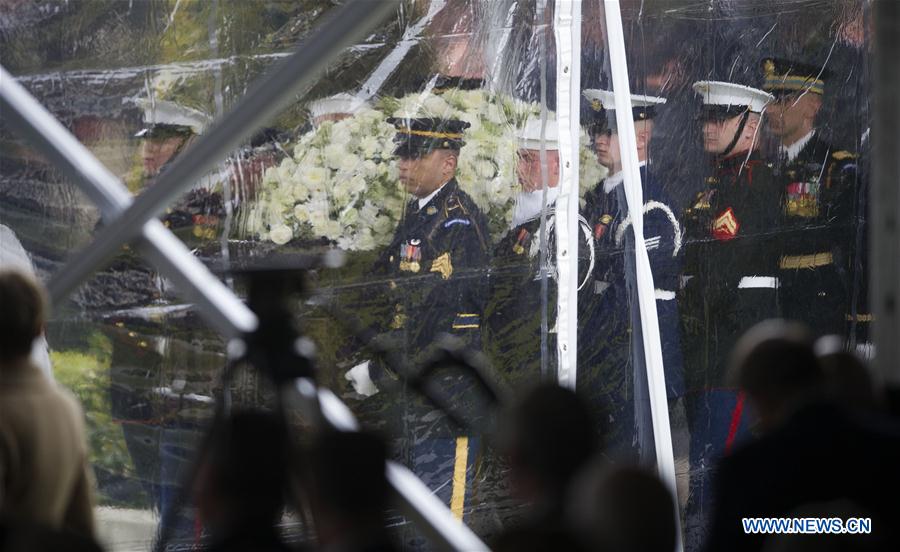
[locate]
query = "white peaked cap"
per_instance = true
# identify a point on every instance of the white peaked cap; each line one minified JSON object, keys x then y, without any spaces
{"x":339,"y":103}
{"x":530,"y":135}
{"x":606,"y":99}
{"x":729,"y":94}
{"x":162,"y":112}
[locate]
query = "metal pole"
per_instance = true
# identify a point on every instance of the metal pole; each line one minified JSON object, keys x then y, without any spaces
{"x":656,"y":378}
{"x":567,"y":29}
{"x":885,"y":189}
{"x":219,"y":307}
{"x":278,"y":88}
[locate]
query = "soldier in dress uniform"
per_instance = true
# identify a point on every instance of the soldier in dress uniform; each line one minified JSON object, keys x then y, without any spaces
{"x":611,"y":361}
{"x":820,"y":202}
{"x":435,"y":272}
{"x":169,"y":128}
{"x":161,"y":383}
{"x":513,"y":332}
{"x":730,"y":266}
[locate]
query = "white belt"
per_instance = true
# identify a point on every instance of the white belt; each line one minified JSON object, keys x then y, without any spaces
{"x":664,"y":295}
{"x":754,"y":282}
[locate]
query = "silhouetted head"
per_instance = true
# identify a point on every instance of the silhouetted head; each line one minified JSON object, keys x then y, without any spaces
{"x":347,"y":483}
{"x":244,"y":473}
{"x":774,"y":363}
{"x":848,"y":380}
{"x":623,"y":509}
{"x":549,"y":436}
{"x":22,"y":314}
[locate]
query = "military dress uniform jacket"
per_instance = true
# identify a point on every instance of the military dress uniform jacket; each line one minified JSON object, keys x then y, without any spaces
{"x":731,"y":261}
{"x":513,"y":313}
{"x":431,"y":280}
{"x":818,"y":235}
{"x":611,"y":363}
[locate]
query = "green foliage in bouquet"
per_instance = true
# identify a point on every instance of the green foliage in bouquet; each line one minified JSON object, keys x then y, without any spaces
{"x":341,"y":181}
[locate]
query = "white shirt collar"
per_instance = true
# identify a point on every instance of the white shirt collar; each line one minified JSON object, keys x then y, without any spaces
{"x":613,"y":180}
{"x":529,"y":204}
{"x":793,"y":150}
{"x":424,"y":201}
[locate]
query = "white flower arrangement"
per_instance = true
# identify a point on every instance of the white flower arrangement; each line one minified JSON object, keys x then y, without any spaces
{"x":341,"y":182}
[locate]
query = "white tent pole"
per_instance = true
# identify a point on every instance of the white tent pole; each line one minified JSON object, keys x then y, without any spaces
{"x":567,"y":30}
{"x":656,"y":378}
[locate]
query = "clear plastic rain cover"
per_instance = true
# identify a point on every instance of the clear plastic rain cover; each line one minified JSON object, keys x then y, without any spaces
{"x":431,"y":154}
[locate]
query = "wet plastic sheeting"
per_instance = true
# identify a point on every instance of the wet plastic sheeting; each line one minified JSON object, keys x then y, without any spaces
{"x":467,"y":263}
{"x":765,"y":230}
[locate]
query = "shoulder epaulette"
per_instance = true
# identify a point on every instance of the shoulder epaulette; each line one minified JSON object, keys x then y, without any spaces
{"x":843,"y":154}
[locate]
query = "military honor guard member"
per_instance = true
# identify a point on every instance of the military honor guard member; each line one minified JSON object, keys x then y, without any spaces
{"x":435,"y":280}
{"x":611,"y":362}
{"x":169,"y":128}
{"x":513,"y":332}
{"x":820,"y":202}
{"x":730,"y":267}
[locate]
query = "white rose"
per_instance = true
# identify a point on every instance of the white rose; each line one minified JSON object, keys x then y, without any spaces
{"x":301,"y":212}
{"x":280,"y":234}
{"x":349,"y":163}
{"x":332,"y":229}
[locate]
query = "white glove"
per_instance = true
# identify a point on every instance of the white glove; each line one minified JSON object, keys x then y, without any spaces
{"x":358,"y":376}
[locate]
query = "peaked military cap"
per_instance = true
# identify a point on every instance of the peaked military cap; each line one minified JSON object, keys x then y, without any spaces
{"x":530,"y":135}
{"x":724,"y":100}
{"x":422,"y":135}
{"x":783,"y":76}
{"x":603,"y":108}
{"x":336,"y":104}
{"x":164,"y":118}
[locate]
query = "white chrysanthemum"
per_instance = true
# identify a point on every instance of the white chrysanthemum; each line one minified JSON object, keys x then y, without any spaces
{"x":315,"y":178}
{"x":369,"y":146}
{"x":349,"y":217}
{"x":334,"y":155}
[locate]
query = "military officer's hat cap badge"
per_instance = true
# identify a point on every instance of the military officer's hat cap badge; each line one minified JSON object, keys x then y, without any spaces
{"x":724,"y":100}
{"x":530,"y":136}
{"x":784,"y":77}
{"x":603,"y":106}
{"x":164,"y":118}
{"x":418,"y":136}
{"x":337,"y":104}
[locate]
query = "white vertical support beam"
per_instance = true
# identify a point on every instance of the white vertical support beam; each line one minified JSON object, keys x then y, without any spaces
{"x":567,"y":30}
{"x":656,"y":377}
